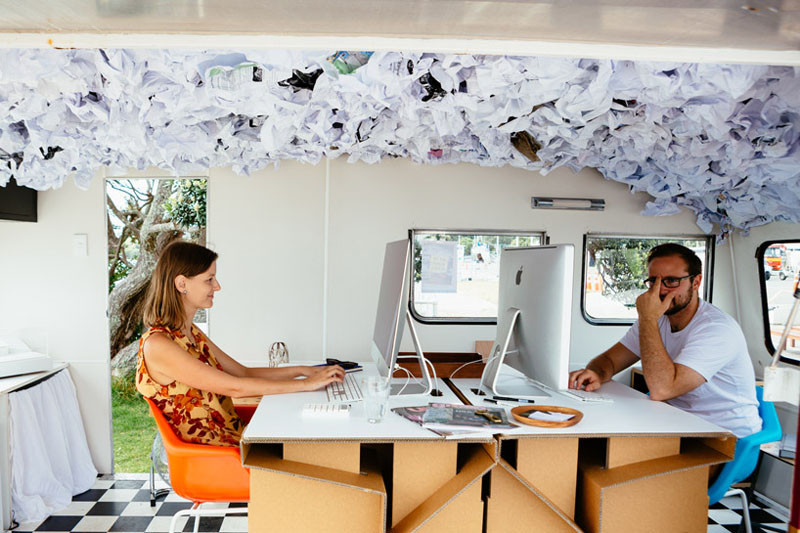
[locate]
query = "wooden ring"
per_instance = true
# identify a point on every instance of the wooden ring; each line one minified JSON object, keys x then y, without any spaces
{"x":519,"y":415}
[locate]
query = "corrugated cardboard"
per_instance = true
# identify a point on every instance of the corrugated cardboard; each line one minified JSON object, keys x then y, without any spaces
{"x":663,"y":494}
{"x":456,"y":505}
{"x":338,"y":455}
{"x":551,"y":465}
{"x":626,"y":450}
{"x":722,"y":445}
{"x":670,"y":502}
{"x":419,"y":469}
{"x":514,"y":505}
{"x":296,"y":496}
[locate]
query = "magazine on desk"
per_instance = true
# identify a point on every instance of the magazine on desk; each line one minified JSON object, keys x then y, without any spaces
{"x":457,"y":420}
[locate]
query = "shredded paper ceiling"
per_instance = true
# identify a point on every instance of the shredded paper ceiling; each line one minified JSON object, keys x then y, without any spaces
{"x":720,"y":140}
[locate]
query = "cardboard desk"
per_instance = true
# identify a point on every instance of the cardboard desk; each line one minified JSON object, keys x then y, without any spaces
{"x":317,"y":474}
{"x":633,"y":461}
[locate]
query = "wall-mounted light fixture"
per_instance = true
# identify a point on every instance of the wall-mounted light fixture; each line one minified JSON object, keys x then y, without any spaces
{"x":581,"y":204}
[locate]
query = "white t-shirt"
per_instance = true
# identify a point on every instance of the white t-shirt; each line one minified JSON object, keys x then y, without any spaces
{"x":713,"y":345}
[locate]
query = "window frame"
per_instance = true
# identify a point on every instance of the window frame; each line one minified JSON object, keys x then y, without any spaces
{"x":762,"y":282}
{"x":708,"y":274}
{"x":461,"y":321}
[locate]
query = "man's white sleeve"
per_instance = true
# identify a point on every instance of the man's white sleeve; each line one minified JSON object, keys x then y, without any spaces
{"x":631,"y":339}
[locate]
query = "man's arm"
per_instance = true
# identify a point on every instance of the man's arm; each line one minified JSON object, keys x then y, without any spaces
{"x":602,"y":368}
{"x":665,"y":379}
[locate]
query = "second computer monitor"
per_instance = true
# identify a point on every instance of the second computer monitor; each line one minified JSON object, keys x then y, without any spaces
{"x":390,"y":317}
{"x":533,"y":320}
{"x":390,"y":313}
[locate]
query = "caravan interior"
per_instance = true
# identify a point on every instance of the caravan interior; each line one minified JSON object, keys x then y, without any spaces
{"x":604,"y":126}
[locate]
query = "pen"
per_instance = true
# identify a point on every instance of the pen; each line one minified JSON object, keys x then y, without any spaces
{"x":507,"y":399}
{"x":499,"y":402}
{"x":356,"y":369}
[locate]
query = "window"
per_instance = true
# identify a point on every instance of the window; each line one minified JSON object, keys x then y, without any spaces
{"x":778,"y":266}
{"x":456,"y":273}
{"x":614,"y":270}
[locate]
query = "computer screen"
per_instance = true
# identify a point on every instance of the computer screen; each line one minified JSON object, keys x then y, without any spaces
{"x":392,"y":301}
{"x":390,"y":318}
{"x":534,"y":319}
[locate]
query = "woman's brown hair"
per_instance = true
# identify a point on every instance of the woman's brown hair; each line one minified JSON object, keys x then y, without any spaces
{"x":163,"y":305}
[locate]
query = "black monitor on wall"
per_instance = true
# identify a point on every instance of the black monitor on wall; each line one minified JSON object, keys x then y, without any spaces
{"x":18,"y":203}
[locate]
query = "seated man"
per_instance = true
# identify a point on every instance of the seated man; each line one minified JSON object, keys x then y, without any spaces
{"x":694,"y":356}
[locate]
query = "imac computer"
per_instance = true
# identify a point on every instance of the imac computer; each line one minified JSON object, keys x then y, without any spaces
{"x":533,"y":322}
{"x":390,"y":316}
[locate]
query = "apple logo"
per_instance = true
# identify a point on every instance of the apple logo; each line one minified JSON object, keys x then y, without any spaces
{"x":519,"y":276}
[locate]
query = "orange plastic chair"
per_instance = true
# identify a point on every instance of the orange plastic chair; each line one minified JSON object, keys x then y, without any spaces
{"x":202,"y":473}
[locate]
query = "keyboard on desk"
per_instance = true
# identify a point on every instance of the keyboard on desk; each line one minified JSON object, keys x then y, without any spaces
{"x":585,"y":396}
{"x":344,"y":392}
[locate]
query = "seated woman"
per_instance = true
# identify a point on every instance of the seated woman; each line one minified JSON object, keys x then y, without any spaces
{"x":185,"y":374}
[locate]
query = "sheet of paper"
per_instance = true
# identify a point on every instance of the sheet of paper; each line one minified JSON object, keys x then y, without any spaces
{"x":549,"y":416}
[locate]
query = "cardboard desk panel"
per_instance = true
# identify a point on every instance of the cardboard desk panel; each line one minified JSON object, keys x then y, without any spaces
{"x":420,"y":481}
{"x":593,"y":476}
{"x":620,"y":453}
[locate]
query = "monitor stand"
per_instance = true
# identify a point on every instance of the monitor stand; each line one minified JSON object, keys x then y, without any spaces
{"x":493,"y":382}
{"x":428,"y":385}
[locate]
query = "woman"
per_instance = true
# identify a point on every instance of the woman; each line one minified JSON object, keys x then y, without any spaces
{"x":189,"y":377}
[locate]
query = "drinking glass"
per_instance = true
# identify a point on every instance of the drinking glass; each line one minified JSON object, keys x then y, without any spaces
{"x":375,"y":390}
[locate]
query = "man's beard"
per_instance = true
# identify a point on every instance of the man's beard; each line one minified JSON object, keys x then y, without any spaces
{"x":678,"y":307}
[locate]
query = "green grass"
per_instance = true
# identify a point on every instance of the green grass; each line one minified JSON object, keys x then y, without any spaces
{"x":134,"y":428}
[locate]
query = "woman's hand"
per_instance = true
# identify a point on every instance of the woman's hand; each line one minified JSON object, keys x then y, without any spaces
{"x":310,"y":371}
{"x":320,"y":376}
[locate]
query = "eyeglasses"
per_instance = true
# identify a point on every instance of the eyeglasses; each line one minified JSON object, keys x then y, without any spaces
{"x":669,"y":282}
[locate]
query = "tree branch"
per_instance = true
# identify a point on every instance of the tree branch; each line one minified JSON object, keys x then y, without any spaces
{"x":120,"y":247}
{"x":121,"y":216}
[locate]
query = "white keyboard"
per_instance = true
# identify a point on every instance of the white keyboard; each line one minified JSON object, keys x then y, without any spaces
{"x":585,"y":396}
{"x":326,"y":410}
{"x":345,"y":392}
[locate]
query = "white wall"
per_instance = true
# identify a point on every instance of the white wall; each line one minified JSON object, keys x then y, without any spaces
{"x":268,"y":230}
{"x":44,"y":287}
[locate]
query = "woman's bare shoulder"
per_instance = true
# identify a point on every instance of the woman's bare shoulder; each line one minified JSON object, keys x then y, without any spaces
{"x":158,"y":341}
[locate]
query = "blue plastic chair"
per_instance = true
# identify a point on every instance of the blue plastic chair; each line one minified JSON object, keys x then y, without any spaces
{"x":745,"y":458}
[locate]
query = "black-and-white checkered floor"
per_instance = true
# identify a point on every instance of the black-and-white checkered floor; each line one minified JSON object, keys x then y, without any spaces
{"x":122,"y":503}
{"x":726,"y":515}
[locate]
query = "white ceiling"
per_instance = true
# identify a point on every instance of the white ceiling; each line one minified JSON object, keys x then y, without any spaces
{"x":719,"y":31}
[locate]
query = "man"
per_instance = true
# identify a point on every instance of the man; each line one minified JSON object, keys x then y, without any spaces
{"x":694,"y":356}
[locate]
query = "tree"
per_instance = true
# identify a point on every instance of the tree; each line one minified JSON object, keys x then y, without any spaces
{"x":622,"y":263}
{"x":144,"y":216}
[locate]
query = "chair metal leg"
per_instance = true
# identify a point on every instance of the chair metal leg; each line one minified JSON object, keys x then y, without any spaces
{"x":196,"y":512}
{"x":155,"y":494}
{"x":745,"y":508}
{"x":197,"y":519}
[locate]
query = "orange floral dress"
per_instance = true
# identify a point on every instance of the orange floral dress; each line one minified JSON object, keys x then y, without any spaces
{"x":196,"y":416}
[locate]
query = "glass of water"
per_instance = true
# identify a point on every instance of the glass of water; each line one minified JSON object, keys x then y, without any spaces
{"x":375,"y":390}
